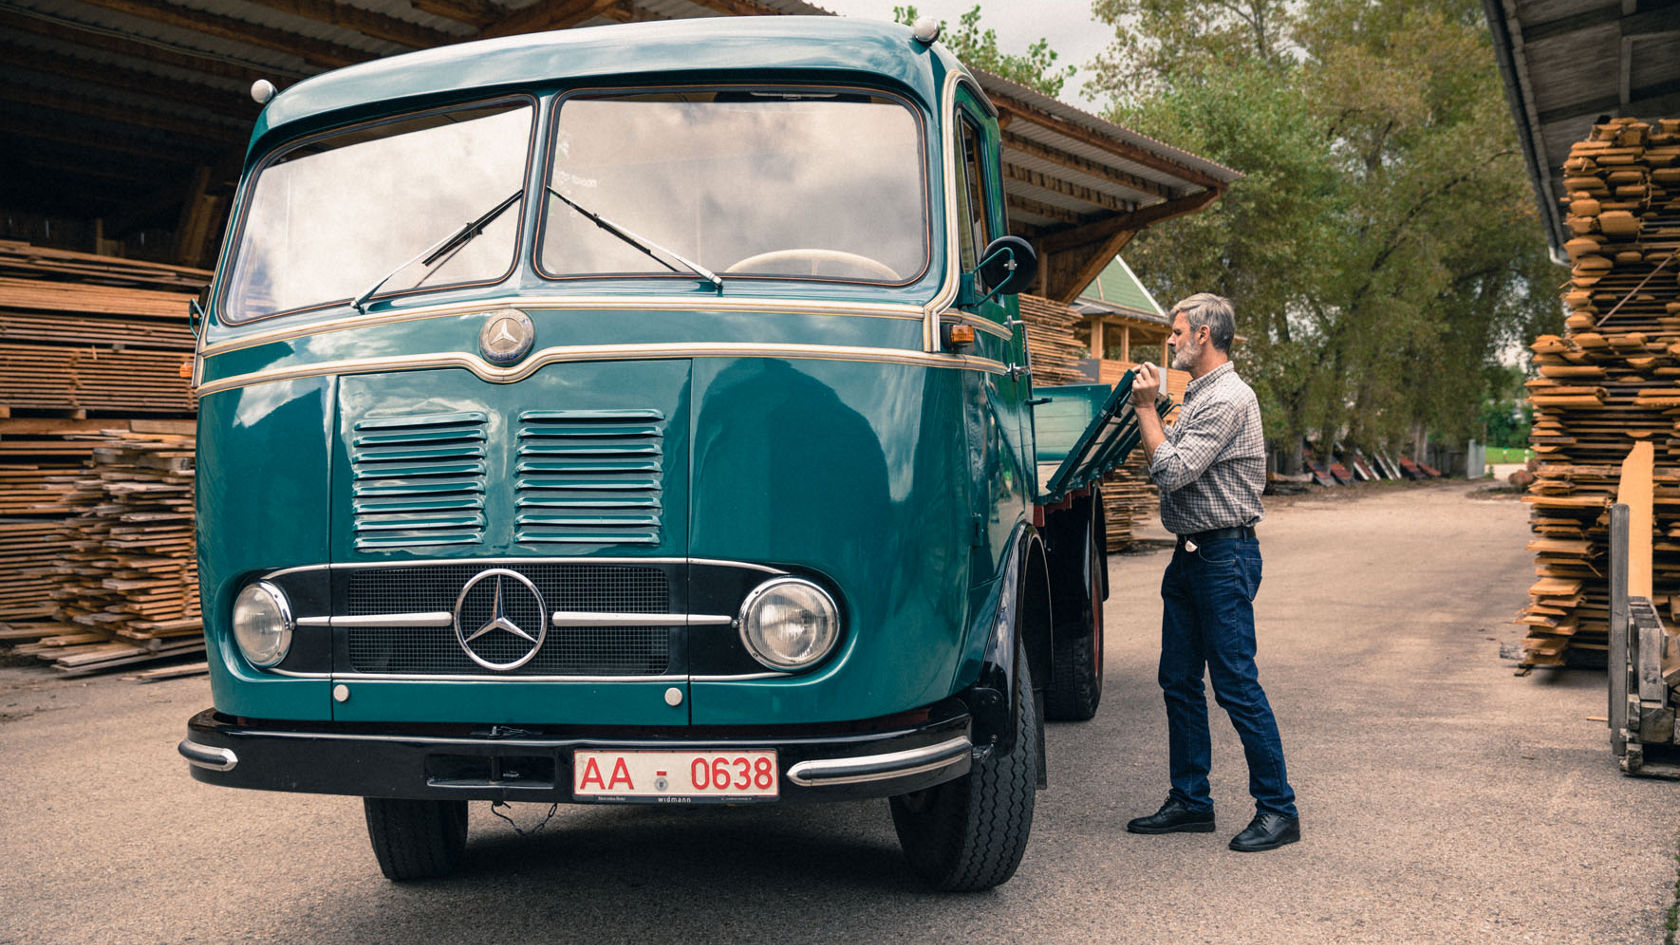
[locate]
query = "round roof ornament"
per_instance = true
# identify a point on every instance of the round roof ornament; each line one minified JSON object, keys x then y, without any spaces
{"x":261,"y":91}
{"x":925,"y":30}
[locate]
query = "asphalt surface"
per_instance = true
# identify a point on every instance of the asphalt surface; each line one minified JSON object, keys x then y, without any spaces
{"x":1443,"y":799}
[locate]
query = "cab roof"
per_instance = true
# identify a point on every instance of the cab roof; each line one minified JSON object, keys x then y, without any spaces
{"x":712,"y":46}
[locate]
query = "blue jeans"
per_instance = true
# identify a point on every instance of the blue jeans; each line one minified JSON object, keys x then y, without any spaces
{"x":1208,"y":621}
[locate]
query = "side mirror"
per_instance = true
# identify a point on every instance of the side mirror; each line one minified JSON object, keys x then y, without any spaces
{"x":1007,"y":267}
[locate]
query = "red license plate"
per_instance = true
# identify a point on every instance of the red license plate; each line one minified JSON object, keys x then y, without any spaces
{"x":653,"y":776}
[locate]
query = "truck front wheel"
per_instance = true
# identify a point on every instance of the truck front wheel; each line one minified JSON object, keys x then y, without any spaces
{"x":416,"y":839}
{"x":969,"y":834}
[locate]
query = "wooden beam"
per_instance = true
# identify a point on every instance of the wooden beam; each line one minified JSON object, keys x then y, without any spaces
{"x":366,"y":22}
{"x":104,"y":140}
{"x":70,"y":32}
{"x":317,"y":51}
{"x":126,"y":115}
{"x":1056,"y":185}
{"x":234,"y":105}
{"x":1074,"y":162}
{"x":546,"y":15}
{"x":626,"y":11}
{"x":475,"y":13}
{"x":1026,"y":205}
{"x":1130,"y":152}
{"x":1134,"y":220}
{"x":1070,"y":270}
{"x":195,"y":232}
{"x":738,"y":7}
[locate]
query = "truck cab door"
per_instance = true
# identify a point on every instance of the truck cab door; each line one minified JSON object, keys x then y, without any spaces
{"x":998,"y":421}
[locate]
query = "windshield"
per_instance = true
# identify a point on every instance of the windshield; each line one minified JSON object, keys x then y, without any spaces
{"x":802,"y":184}
{"x":335,"y":215}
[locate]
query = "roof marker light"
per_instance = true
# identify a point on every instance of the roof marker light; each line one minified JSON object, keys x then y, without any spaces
{"x":261,"y":91}
{"x":925,"y":30}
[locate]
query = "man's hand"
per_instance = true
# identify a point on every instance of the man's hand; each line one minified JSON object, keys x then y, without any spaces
{"x":1146,"y":386}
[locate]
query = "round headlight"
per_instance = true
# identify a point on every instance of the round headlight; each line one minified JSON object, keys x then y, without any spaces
{"x":262,"y":623}
{"x":789,"y":623}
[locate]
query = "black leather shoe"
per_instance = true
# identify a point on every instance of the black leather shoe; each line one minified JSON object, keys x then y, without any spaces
{"x":1174,"y":817}
{"x":1267,"y":832}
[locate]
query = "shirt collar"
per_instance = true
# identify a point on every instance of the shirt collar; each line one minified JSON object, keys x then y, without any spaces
{"x":1196,"y":384}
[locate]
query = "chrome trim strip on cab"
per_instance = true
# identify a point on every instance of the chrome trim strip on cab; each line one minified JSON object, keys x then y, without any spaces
{"x":947,"y":294}
{"x":206,"y":756}
{"x":656,"y":303}
{"x":436,"y":618}
{"x":898,"y":764}
{"x":547,"y":356}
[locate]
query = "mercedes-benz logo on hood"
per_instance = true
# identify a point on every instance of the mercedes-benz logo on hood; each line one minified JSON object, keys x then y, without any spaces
{"x":506,"y":337}
{"x":500,"y":619}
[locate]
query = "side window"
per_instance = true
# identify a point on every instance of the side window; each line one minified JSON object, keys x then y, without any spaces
{"x":973,"y":231}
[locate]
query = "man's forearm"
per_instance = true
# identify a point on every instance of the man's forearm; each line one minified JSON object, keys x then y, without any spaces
{"x":1149,"y":427}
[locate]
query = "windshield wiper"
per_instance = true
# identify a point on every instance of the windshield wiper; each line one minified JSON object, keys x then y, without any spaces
{"x":447,"y":246}
{"x":642,"y":243}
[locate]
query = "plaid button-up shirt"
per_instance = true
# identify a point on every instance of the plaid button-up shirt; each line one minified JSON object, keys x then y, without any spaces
{"x":1212,"y":467}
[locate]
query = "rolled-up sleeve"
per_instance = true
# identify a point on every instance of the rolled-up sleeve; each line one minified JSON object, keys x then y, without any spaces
{"x":1192,"y":446}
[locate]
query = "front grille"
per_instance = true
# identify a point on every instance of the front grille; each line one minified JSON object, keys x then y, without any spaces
{"x":589,"y":477}
{"x":566,"y":651}
{"x":418,"y":480}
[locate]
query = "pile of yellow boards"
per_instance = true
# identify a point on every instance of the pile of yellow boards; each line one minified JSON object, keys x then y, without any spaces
{"x":1610,"y":381}
{"x":1128,"y":495}
{"x":96,"y":441}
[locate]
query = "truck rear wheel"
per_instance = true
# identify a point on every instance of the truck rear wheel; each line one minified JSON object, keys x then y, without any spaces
{"x":969,"y":834}
{"x":416,"y":839}
{"x":1076,"y":671}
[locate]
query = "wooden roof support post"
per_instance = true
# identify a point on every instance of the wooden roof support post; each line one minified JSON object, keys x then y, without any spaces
{"x":198,"y":218}
{"x":1073,"y":257}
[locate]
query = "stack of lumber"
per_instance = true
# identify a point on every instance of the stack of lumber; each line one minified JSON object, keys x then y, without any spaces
{"x":1128,"y":495}
{"x":1612,"y":380}
{"x":96,"y":556}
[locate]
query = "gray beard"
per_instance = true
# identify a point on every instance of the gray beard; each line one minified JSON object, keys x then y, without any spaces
{"x":1184,"y":356}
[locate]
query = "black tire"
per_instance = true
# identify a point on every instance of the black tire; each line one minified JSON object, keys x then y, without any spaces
{"x":416,"y":839}
{"x":1076,"y":659}
{"x":969,"y":834}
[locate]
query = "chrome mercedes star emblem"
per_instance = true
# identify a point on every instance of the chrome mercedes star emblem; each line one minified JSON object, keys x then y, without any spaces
{"x":506,"y":337}
{"x":501,"y":622}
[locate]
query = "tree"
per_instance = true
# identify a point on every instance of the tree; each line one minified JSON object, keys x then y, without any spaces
{"x":978,"y":49}
{"x":1383,"y":247}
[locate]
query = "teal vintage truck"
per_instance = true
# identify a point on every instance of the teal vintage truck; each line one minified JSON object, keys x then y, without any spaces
{"x":642,"y":415}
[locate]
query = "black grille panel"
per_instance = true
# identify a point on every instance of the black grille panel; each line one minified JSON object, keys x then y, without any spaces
{"x":568,"y":651}
{"x":601,"y":588}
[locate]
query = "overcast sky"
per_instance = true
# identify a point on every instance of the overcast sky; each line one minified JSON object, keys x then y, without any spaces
{"x":1067,"y":24}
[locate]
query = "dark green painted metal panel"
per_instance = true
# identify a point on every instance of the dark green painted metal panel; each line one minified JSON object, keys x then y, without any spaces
{"x":511,"y":702}
{"x":263,"y":504}
{"x":854,"y":472}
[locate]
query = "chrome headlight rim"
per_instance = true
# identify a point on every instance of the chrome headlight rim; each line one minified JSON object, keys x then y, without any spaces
{"x":745,"y":624}
{"x":288,"y":624}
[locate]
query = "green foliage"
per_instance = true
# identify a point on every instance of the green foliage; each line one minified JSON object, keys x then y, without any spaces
{"x":1383,"y":247}
{"x":978,"y":48}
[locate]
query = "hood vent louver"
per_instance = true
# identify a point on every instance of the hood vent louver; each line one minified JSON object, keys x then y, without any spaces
{"x":589,"y":477}
{"x":418,"y":480}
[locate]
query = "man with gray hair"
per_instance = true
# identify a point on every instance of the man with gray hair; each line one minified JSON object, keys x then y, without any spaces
{"x":1211,"y":467}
